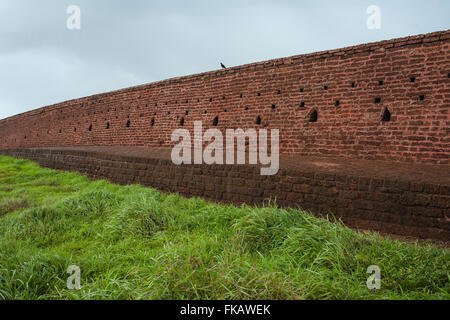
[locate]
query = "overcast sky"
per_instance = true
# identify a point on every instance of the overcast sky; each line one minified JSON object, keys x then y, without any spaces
{"x":126,"y":43}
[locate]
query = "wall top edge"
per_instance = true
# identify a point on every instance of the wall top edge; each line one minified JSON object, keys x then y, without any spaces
{"x":437,"y":36}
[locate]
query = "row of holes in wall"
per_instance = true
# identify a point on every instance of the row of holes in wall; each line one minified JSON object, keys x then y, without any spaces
{"x":325,"y":87}
{"x":273,"y":106}
{"x":313,"y":117}
{"x":412,"y":79}
{"x":313,"y":114}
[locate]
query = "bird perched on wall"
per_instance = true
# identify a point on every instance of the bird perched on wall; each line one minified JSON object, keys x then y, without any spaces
{"x":222,"y":65}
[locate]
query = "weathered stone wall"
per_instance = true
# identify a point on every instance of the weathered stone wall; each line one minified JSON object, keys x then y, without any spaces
{"x":386,"y":101}
{"x":349,"y":88}
{"x":408,"y":200}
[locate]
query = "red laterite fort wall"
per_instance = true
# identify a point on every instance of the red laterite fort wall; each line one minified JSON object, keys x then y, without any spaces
{"x":364,"y":133}
{"x":349,"y":88}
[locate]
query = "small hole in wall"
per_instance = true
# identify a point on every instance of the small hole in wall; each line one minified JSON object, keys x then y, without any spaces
{"x":302,"y":104}
{"x":224,"y":110}
{"x":206,"y":111}
{"x":412,"y":79}
{"x":259,"y":94}
{"x":90,"y":127}
{"x":274,"y":107}
{"x":337,"y":103}
{"x":25,"y":137}
{"x":377,"y":100}
{"x":152,"y":123}
{"x":380,"y":83}
{"x":301,"y":89}
{"x":386,"y":117}
{"x":313,"y":116}
{"x":448,"y":75}
{"x":60,"y":130}
{"x":241,"y":95}
{"x":187,"y":112}
{"x":74,"y":129}
{"x":182,"y":122}
{"x":279,"y":92}
{"x":223,"y":97}
{"x":246,"y":108}
{"x":128,"y":124}
{"x":422,"y":97}
{"x":258,"y":120}
{"x":210,"y":99}
{"x":325,"y":87}
{"x":107,"y":125}
{"x":216,"y":121}
{"x":353,"y":84}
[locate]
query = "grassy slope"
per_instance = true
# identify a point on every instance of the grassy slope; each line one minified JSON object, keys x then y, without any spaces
{"x":137,"y":243}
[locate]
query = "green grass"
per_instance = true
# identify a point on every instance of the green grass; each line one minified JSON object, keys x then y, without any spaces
{"x":133,"y":242}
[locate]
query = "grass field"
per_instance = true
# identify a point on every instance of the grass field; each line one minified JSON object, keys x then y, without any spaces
{"x":132,"y":242}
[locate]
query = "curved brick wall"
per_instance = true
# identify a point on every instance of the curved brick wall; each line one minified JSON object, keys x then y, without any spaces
{"x":336,"y":164}
{"x":349,"y":88}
